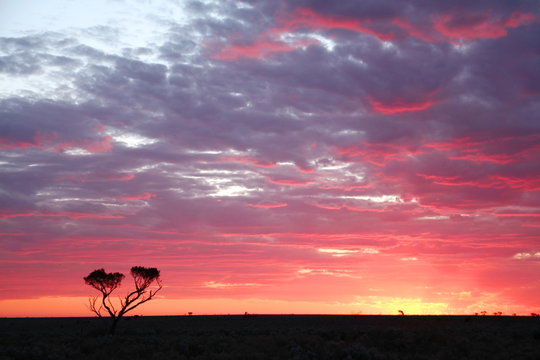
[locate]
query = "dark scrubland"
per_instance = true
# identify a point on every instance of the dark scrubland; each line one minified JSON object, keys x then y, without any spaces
{"x":273,"y":337}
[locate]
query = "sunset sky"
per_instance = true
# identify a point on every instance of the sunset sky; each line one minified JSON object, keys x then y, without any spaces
{"x":272,"y":156}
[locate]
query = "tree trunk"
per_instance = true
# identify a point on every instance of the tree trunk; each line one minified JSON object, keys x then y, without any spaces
{"x":113,"y":325}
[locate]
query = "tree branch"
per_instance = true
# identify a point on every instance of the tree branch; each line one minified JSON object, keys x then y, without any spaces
{"x":150,"y":296}
{"x":92,"y":305}
{"x":109,"y":307}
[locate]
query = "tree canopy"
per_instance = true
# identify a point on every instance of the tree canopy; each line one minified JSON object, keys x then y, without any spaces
{"x":103,"y":281}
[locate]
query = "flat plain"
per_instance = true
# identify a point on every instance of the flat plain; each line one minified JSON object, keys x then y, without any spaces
{"x":273,"y":337}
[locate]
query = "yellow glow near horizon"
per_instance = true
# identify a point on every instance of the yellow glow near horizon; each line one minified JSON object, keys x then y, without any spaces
{"x":368,"y":305}
{"x":76,"y":306}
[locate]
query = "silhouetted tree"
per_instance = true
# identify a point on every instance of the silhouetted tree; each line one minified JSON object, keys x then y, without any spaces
{"x":106,"y":283}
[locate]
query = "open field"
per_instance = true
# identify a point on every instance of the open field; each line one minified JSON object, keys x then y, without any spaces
{"x":273,"y":337}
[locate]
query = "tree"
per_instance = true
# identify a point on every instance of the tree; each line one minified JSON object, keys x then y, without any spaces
{"x":106,"y":283}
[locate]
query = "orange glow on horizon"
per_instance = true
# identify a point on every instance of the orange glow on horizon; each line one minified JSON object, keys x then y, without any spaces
{"x":369,"y":305}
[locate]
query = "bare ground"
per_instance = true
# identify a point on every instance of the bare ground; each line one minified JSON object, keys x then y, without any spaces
{"x":273,"y":337}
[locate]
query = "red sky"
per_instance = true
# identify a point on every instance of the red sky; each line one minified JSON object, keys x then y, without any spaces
{"x":274,"y":157}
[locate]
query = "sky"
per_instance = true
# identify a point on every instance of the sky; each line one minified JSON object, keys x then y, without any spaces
{"x":300,"y":156}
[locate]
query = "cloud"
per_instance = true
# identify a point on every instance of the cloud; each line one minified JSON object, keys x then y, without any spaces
{"x":257,"y":50}
{"x":221,"y":285}
{"x":306,"y":18}
{"x":325,"y":272}
{"x":268,"y":206}
{"x":144,"y":196}
{"x":526,"y":255}
{"x":337,"y":252}
{"x":73,"y":215}
{"x":459,"y":26}
{"x":399,"y":106}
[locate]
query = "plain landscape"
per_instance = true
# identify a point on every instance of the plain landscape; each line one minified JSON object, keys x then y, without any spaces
{"x":273,"y":337}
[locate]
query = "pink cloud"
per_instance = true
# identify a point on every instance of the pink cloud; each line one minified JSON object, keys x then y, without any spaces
{"x":144,"y":196}
{"x":249,"y":160}
{"x":446,"y":27}
{"x":305,"y":18}
{"x":399,"y":106}
{"x":118,"y":177}
{"x":290,"y":182}
{"x":71,"y":215}
{"x":6,"y":143}
{"x":268,"y":206}
{"x":483,"y":149}
{"x":259,"y":49}
{"x":52,"y":142}
{"x":346,"y":187}
{"x":462,"y":26}
{"x":97,"y":177}
{"x":104,"y":144}
{"x":496,"y":158}
{"x":515,"y":214}
{"x":348,"y":207}
{"x":491,"y":181}
{"x":531,"y":183}
{"x":378,"y":153}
